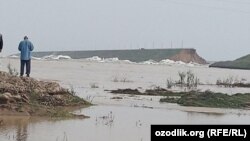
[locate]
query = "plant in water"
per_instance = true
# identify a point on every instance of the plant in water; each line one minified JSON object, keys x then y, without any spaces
{"x":122,"y":79}
{"x":65,"y":138}
{"x":94,"y":85}
{"x":115,"y":79}
{"x":182,"y":76}
{"x":170,"y":83}
{"x":228,"y":82}
{"x":192,"y":80}
{"x":106,"y":120}
{"x":188,"y":79}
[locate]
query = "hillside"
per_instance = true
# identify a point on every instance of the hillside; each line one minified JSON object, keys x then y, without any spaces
{"x":188,"y":55}
{"x":140,"y":55}
{"x":240,"y":63}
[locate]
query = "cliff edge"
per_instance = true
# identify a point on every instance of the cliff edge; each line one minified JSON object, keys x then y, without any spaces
{"x":187,"y":56}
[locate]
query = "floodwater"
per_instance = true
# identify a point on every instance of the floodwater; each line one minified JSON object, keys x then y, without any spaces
{"x":126,"y":119}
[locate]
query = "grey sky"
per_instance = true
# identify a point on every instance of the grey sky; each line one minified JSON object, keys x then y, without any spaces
{"x":218,"y":29}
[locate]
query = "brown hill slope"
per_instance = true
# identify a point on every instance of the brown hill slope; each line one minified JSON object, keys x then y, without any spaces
{"x":187,"y":56}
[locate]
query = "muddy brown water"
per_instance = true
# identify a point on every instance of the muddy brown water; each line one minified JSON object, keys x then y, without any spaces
{"x":123,"y":119}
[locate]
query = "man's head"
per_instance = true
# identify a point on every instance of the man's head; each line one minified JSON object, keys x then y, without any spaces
{"x":25,"y":38}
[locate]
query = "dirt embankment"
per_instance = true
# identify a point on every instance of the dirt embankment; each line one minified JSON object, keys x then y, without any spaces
{"x":187,"y":56}
{"x":28,"y":96}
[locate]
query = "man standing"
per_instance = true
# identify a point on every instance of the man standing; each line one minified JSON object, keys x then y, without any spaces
{"x":25,"y":47}
{"x":1,"y":42}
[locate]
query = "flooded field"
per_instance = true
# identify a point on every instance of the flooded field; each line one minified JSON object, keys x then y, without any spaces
{"x":123,"y":119}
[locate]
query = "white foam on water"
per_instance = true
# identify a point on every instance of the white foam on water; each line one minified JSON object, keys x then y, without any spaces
{"x":94,"y":58}
{"x":54,"y":57}
{"x":149,"y":62}
{"x":115,"y":59}
{"x":36,"y":58}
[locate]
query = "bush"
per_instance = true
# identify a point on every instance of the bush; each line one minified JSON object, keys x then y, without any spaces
{"x":188,"y":79}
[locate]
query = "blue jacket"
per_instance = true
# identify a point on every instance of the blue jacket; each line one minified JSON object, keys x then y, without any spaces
{"x":25,"y":47}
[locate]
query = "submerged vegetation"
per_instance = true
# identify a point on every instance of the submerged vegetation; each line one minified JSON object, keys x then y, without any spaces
{"x":191,"y":96}
{"x":121,"y":79}
{"x":170,"y":83}
{"x":186,"y":80}
{"x":107,"y":120}
{"x":211,"y":99}
{"x":232,"y":82}
{"x":151,"y":92}
{"x":190,"y":81}
{"x":194,"y":98}
{"x":94,"y":85}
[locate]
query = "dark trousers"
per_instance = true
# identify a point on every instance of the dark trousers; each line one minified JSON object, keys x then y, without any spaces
{"x":23,"y":64}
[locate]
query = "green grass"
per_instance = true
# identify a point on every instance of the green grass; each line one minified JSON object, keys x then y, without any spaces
{"x":194,"y":98}
{"x":75,"y":100}
{"x":59,"y":113}
{"x":210,"y":99}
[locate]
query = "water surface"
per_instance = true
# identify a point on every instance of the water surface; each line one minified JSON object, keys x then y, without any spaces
{"x":126,"y":119}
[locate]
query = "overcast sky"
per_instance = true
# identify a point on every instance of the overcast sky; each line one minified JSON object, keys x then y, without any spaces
{"x":217,"y":29}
